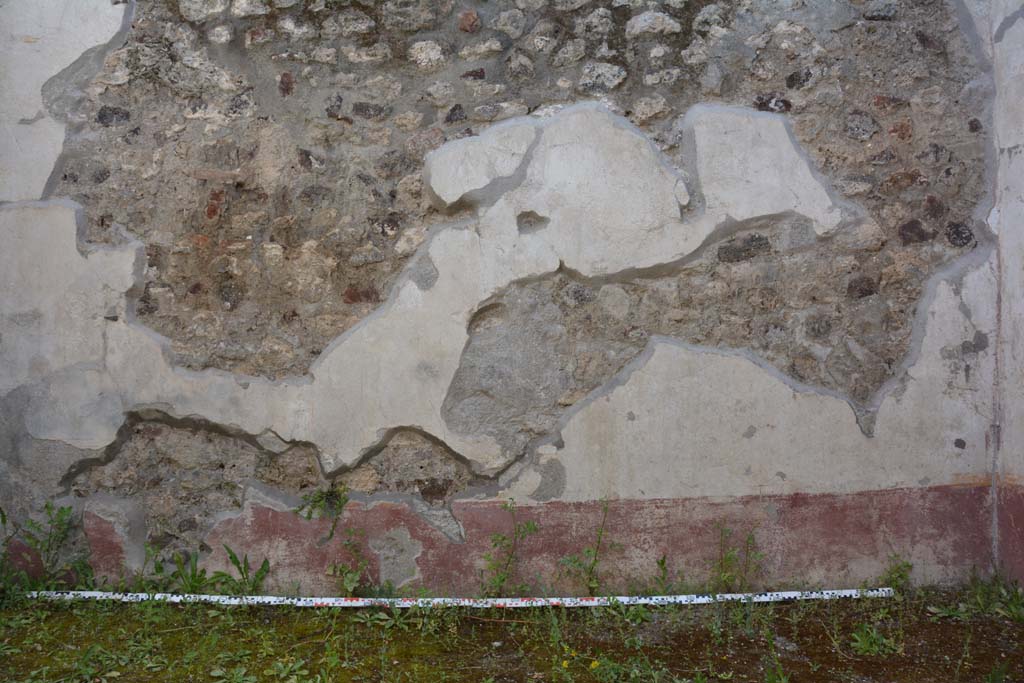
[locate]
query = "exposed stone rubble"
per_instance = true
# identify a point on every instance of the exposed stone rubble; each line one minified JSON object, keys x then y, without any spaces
{"x":183,"y":477}
{"x":269,"y":154}
{"x":413,"y":464}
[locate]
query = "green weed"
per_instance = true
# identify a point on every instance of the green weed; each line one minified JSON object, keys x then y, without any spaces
{"x":247,"y":582}
{"x":897,"y":574}
{"x":999,"y":674}
{"x":238,"y":674}
{"x":329,"y":502}
{"x":187,"y":577}
{"x":500,"y":562}
{"x":736,"y":567}
{"x":49,"y":539}
{"x":868,"y":641}
{"x":585,"y":568}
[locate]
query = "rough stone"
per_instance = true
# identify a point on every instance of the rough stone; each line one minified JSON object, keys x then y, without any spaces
{"x":860,"y":125}
{"x":427,"y":54}
{"x":469,"y":21}
{"x":570,"y":53}
{"x":249,"y":8}
{"x":511,"y":22}
{"x":201,"y":10}
{"x":601,"y":76}
{"x":409,"y":15}
{"x":647,"y":108}
{"x":597,"y":24}
{"x":651,"y":23}
{"x":482,"y":49}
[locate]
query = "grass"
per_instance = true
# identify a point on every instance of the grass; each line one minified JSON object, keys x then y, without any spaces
{"x":907,"y":639}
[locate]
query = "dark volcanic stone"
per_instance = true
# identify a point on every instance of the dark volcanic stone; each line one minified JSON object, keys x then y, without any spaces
{"x":914,"y":232}
{"x":334,"y":108}
{"x":744,"y":249}
{"x":373,"y":112}
{"x":798,"y":79}
{"x":112,"y":116}
{"x":861,"y":286}
{"x":959,"y":234}
{"x":455,"y":114}
{"x":773,"y":102}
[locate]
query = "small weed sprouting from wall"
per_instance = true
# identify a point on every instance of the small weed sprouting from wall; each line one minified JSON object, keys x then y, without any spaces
{"x":736,"y":568}
{"x":585,"y":568}
{"x":47,"y":542}
{"x":248,"y":582}
{"x":187,"y":577}
{"x":329,"y":502}
{"x":500,"y":562}
{"x":352,"y":575}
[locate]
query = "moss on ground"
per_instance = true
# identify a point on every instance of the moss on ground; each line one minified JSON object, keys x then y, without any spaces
{"x":975,"y":633}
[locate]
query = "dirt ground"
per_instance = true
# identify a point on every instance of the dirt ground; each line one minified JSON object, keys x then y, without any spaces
{"x":975,"y":633}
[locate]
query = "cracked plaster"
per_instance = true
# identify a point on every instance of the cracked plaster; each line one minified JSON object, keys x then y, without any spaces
{"x":394,"y":368}
{"x":85,"y":363}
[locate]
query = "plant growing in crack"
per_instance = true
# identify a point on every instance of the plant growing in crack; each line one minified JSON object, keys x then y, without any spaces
{"x":585,"y":567}
{"x":500,"y":562}
{"x":329,"y":502}
{"x":248,"y":582}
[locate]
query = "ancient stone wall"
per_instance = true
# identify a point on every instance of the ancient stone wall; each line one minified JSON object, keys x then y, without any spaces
{"x":659,"y":266}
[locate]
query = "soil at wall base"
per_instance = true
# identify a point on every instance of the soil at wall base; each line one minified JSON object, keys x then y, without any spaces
{"x":809,"y":642}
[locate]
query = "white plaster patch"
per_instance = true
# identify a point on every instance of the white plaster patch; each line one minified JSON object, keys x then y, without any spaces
{"x":679,"y":423}
{"x":38,"y":39}
{"x":750,"y":167}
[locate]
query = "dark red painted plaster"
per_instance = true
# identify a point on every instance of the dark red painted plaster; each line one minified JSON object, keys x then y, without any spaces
{"x":23,"y":558}
{"x":1011,"y":530}
{"x":106,"y":547}
{"x":838,"y":540}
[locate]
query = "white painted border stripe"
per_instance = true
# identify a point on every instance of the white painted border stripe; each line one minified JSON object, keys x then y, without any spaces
{"x":475,"y":603}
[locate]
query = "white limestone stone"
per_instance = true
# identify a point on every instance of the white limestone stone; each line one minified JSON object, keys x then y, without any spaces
{"x":249,"y":8}
{"x":201,"y":10}
{"x":426,"y":54}
{"x":651,"y":23}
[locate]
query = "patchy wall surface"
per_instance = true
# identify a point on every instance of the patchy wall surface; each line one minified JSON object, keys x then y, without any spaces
{"x":1008,"y":215}
{"x":744,"y":263}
